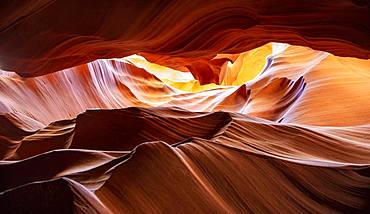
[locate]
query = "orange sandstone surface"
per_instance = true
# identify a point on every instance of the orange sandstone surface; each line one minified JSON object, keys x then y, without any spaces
{"x":184,"y":106}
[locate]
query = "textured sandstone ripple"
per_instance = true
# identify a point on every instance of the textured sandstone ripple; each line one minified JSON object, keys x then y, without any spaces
{"x":245,"y":164}
{"x":278,"y":128}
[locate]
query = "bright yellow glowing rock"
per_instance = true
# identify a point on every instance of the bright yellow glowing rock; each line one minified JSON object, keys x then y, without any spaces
{"x":246,"y":66}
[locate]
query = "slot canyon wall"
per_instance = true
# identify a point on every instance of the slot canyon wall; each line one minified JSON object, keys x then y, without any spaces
{"x":184,"y":106}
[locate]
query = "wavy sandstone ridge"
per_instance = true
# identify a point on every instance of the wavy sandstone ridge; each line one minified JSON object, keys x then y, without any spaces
{"x":226,"y":161}
{"x":295,"y":85}
{"x":274,"y":148}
